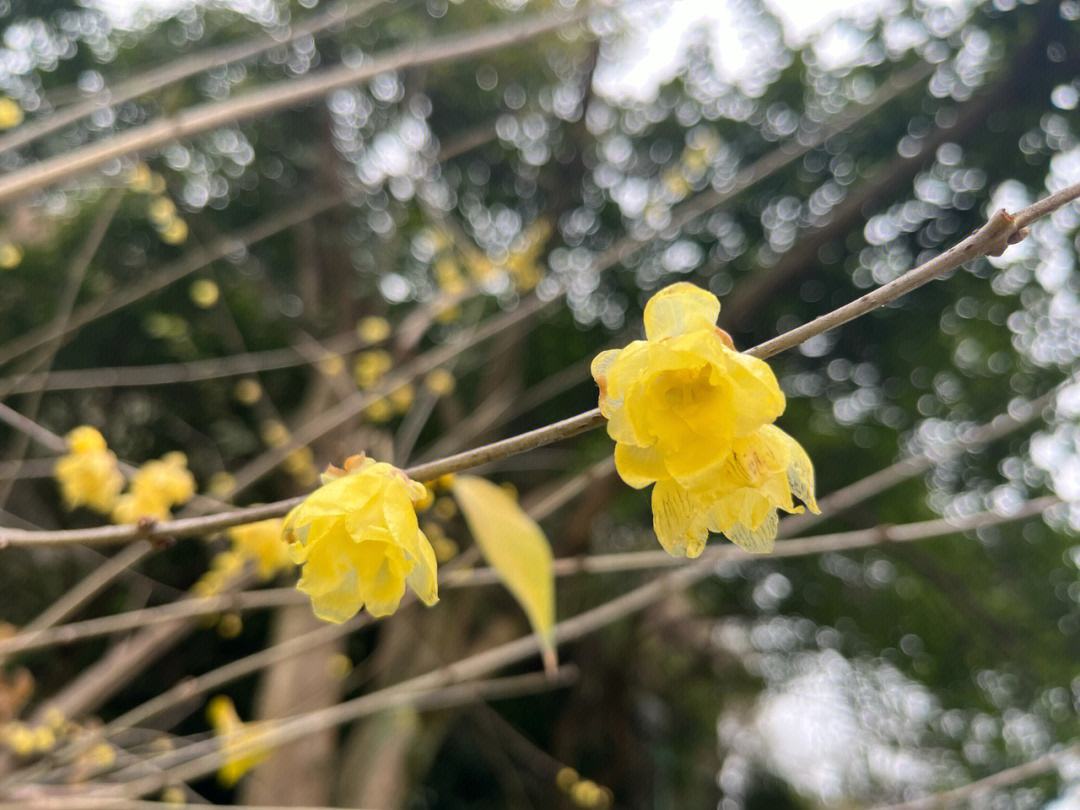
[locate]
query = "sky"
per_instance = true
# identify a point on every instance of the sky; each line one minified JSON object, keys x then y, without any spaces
{"x":652,"y":53}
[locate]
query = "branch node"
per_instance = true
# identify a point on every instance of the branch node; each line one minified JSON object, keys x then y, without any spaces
{"x":1001,"y":231}
{"x":145,"y":528}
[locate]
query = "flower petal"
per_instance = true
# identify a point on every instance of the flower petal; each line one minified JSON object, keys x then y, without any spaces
{"x":761,"y":540}
{"x":675,"y":520}
{"x":639,"y":466}
{"x":423,"y":578}
{"x":800,"y":471}
{"x":680,"y":309}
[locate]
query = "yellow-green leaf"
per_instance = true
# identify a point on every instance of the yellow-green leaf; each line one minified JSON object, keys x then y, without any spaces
{"x":516,"y":547}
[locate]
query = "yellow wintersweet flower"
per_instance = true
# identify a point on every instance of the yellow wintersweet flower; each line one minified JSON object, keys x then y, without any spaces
{"x":155,"y":489}
{"x":440,"y":381}
{"x":168,"y":476}
{"x":89,"y":475}
{"x":239,"y":741}
{"x":758,"y":477}
{"x":373,"y":329}
{"x":11,"y":114}
{"x":688,"y":413}
{"x":369,"y":367}
{"x":262,"y":542}
{"x":140,"y":503}
{"x":11,"y":255}
{"x":162,"y":211}
{"x":401,"y":398}
{"x":359,"y":542}
{"x":204,"y":293}
{"x":140,"y":178}
{"x":174,"y":231}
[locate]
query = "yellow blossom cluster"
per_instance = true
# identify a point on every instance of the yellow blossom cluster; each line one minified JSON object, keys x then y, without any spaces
{"x":23,"y":739}
{"x":141,"y":179}
{"x":358,"y":541}
{"x":239,"y":740}
{"x":263,"y":543}
{"x":370,"y":367}
{"x":27,"y":739}
{"x":225,"y":569}
{"x":170,"y":227}
{"x":89,"y":474}
{"x":523,"y":262}
{"x":156,"y":487}
{"x":582,"y":792}
{"x":693,"y":416}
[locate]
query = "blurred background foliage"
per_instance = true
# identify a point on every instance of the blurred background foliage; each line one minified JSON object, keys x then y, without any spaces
{"x":446,"y":195}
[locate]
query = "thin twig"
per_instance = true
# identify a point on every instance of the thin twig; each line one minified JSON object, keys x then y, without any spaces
{"x":180,"y":69}
{"x":999,"y":232}
{"x":1009,"y":776}
{"x":271,"y":99}
{"x":594,"y":564}
{"x":74,"y":276}
{"x":213,"y":368}
{"x":195,"y":260}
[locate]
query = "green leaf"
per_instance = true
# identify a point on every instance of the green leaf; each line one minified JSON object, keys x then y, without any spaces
{"x":517,"y":548}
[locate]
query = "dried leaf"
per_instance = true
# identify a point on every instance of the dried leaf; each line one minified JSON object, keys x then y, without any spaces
{"x":516,"y":547}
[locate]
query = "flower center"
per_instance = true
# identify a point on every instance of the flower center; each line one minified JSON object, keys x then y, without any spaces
{"x":685,"y":388}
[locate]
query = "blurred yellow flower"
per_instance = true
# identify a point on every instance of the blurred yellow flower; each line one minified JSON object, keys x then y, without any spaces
{"x":221,"y":484}
{"x":11,"y":255}
{"x":369,"y":367}
{"x":373,"y":329}
{"x":402,"y":397}
{"x":331,"y":365}
{"x":338,"y":666}
{"x":230,"y":626}
{"x":445,"y":548}
{"x":11,"y":114}
{"x":204,"y":293}
{"x":523,"y":261}
{"x":140,"y":178}
{"x":156,"y":488}
{"x":686,"y":412}
{"x":239,"y":741}
{"x":248,"y":391}
{"x":448,"y":276}
{"x":379,"y":411}
{"x":440,"y":381}
{"x":274,"y":433}
{"x":359,"y":543}
{"x":89,"y":475}
{"x":18,"y":737}
{"x":264,"y":543}
{"x":174,"y":231}
{"x":162,"y":211}
{"x":225,"y":569}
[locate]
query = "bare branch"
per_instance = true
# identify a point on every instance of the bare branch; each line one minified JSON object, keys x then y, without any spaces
{"x":467,"y":578}
{"x":170,"y":274}
{"x":270,"y":100}
{"x":143,"y":84}
{"x":992,"y":239}
{"x":1010,"y":776}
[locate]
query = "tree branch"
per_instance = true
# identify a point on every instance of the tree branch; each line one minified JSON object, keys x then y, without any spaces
{"x":271,"y":99}
{"x":991,"y":239}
